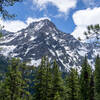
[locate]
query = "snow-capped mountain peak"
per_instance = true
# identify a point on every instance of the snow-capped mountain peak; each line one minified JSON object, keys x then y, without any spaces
{"x":42,"y":38}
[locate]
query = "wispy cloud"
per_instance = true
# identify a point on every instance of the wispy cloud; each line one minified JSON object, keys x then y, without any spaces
{"x":63,"y":6}
{"x":60,"y":15}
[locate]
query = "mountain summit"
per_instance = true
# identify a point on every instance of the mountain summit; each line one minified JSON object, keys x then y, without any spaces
{"x":42,"y":38}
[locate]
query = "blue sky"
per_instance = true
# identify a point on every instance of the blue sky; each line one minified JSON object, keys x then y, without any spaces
{"x":64,"y":23}
{"x":63,"y":13}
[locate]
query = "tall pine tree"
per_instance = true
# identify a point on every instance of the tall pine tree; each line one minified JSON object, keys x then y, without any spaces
{"x":91,"y":93}
{"x":72,"y":85}
{"x":13,"y":85}
{"x":48,"y":81}
{"x":58,"y":84}
{"x":85,"y":78}
{"x":43,"y":81}
{"x":97,"y":78}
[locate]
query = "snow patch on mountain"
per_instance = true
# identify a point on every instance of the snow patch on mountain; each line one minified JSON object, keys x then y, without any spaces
{"x":9,"y":37}
{"x":34,"y":62}
{"x":6,"y":50}
{"x":39,"y":26}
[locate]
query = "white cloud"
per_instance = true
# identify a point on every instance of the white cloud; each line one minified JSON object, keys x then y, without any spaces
{"x":13,"y":26}
{"x":16,"y":25}
{"x":83,"y":18}
{"x":60,"y":15}
{"x":62,"y":5}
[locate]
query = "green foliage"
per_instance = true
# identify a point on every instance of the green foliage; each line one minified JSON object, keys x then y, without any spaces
{"x":46,"y":82}
{"x":72,"y":85}
{"x":1,"y":35}
{"x":40,"y":82}
{"x":13,"y":87}
{"x":57,"y":96}
{"x":91,"y":93}
{"x":85,"y":78}
{"x":58,"y":84}
{"x":97,"y":79}
{"x":43,"y":81}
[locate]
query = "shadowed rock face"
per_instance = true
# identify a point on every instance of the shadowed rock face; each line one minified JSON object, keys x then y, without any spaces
{"x":42,"y":38}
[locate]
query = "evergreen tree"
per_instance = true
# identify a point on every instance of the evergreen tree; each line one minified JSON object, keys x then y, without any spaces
{"x":85,"y":80}
{"x":40,"y":82}
{"x":48,"y":82}
{"x":43,"y":81}
{"x":57,"y":96}
{"x":58,"y":84}
{"x":13,"y":85}
{"x":97,"y":78}
{"x":25,"y":73}
{"x":72,"y":85}
{"x":91,"y":93}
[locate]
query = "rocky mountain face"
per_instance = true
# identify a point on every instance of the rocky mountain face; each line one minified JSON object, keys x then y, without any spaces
{"x":42,"y":38}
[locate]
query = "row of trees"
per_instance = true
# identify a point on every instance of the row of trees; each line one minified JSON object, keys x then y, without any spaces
{"x":22,"y":82}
